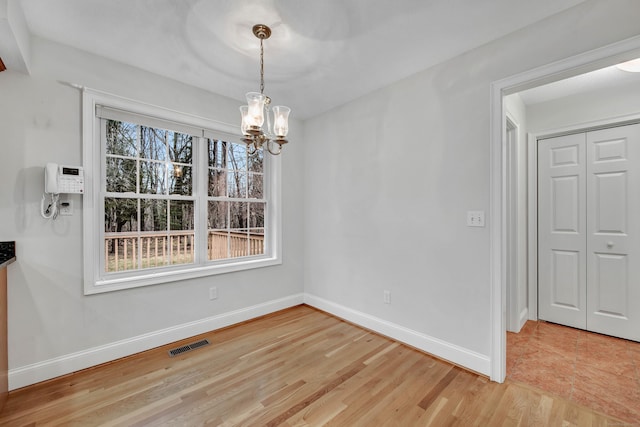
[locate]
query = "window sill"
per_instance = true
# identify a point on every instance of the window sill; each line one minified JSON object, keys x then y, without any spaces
{"x":140,"y":279}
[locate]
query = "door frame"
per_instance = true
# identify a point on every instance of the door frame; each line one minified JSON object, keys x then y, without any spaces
{"x":515,"y":318}
{"x":598,"y":58}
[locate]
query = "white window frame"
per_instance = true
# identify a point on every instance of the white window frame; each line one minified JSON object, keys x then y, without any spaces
{"x":96,"y":281}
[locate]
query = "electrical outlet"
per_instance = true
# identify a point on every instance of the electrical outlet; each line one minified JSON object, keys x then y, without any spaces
{"x":387,"y":297}
{"x":475,"y":218}
{"x":66,"y":207}
{"x":213,"y":293}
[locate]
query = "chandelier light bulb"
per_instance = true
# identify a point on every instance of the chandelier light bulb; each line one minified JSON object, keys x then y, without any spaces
{"x":281,"y":121}
{"x":244,"y":112}
{"x":255,"y":115}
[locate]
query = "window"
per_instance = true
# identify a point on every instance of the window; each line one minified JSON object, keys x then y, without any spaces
{"x":148,"y":203}
{"x":171,"y":196}
{"x":236,"y":203}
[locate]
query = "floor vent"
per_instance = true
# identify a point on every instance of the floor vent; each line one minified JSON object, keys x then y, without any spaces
{"x":188,"y":347}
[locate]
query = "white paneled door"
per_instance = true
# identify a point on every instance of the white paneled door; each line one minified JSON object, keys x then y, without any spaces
{"x":562,"y":255}
{"x":589,"y":231}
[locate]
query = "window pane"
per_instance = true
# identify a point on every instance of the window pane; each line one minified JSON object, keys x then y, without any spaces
{"x":180,"y":180}
{"x":154,"y":250}
{"x":153,"y":143}
{"x":182,"y":215}
{"x":121,"y":175}
{"x":237,"y":184}
{"x":256,"y":241}
{"x":180,"y":147}
{"x":255,"y":186}
{"x":121,"y":253}
{"x":238,"y":243}
{"x":181,"y":248}
{"x":218,"y":244}
{"x":217,"y":217}
{"x":153,"y":178}
{"x":255,"y":161}
{"x":153,"y":215}
{"x":121,"y":219}
{"x":120,"y":215}
{"x":238,"y":215}
{"x":237,"y":157}
{"x":121,"y":138}
{"x":217,"y":183}
{"x":217,"y":153}
{"x":256,"y":215}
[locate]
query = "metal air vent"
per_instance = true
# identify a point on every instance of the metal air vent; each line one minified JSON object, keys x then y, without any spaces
{"x":188,"y":347}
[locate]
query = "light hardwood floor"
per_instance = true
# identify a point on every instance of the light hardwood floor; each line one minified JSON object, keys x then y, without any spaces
{"x":296,"y":367}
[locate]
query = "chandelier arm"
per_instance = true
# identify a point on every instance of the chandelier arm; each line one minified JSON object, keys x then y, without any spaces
{"x":270,"y":144}
{"x":251,"y":151}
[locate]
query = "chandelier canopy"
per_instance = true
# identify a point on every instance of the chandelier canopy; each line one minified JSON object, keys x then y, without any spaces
{"x":258,"y":109}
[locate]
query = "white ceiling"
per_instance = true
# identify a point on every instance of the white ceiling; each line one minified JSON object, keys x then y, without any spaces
{"x":322,"y":53}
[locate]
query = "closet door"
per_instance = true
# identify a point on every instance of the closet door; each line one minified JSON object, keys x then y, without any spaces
{"x":613,"y":231}
{"x":562,"y":230}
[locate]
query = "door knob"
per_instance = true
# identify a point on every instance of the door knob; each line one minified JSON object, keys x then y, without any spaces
{"x":609,"y":245}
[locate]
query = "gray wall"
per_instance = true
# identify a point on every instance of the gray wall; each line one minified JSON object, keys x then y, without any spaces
{"x":391,"y":176}
{"x":49,"y":317}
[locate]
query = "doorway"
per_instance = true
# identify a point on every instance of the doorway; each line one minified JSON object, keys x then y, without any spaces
{"x":499,"y":199}
{"x":592,"y":369}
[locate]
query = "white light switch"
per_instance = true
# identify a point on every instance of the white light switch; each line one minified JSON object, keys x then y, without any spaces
{"x":475,"y":218}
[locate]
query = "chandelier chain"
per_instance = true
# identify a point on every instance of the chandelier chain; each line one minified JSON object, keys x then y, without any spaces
{"x":261,"y":68}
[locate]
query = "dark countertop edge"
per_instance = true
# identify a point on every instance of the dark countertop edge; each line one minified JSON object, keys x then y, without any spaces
{"x":7,"y":262}
{"x":7,"y":253}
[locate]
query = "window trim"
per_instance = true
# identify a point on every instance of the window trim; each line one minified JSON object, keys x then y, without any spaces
{"x":93,"y":217}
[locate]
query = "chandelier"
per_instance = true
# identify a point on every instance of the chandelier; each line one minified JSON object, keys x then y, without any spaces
{"x":273,"y":136}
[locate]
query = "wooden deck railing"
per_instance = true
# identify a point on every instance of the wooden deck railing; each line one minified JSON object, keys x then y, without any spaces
{"x":236,"y":243}
{"x":131,"y":251}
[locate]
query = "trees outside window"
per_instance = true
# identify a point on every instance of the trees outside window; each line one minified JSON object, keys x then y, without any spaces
{"x":150,"y":206}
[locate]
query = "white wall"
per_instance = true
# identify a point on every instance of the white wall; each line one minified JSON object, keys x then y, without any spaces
{"x":50,"y":320}
{"x":391,"y":176}
{"x":584,"y":108}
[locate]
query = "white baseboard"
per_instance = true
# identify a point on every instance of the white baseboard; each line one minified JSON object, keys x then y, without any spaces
{"x":48,"y":369}
{"x":442,"y":349}
{"x":41,"y":371}
{"x":524,"y":316}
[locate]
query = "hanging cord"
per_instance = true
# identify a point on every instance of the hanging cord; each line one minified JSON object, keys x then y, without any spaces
{"x":267,"y":101}
{"x":261,"y":67}
{"x":51,"y":212}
